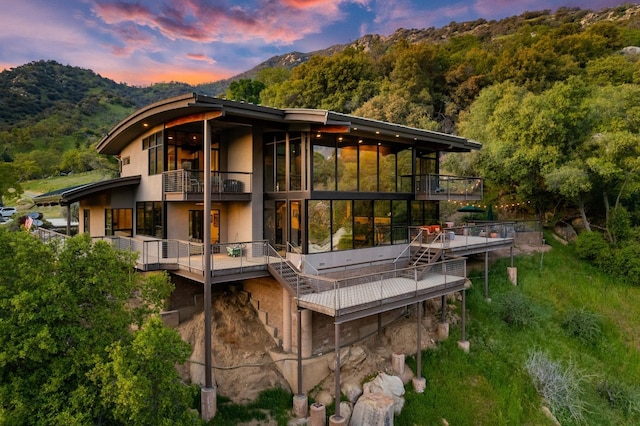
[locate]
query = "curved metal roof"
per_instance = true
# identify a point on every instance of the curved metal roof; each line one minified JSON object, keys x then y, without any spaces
{"x":190,"y":104}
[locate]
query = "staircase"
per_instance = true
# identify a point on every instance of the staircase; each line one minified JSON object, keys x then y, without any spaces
{"x":287,"y":275}
{"x":424,"y":256}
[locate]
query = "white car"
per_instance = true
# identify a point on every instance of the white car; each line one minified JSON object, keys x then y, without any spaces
{"x":7,"y":211}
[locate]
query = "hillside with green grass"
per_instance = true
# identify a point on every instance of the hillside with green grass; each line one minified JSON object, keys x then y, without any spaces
{"x":567,"y":331}
{"x":567,"y":338}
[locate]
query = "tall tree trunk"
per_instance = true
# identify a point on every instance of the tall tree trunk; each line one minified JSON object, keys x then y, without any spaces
{"x":583,"y":214}
{"x":606,"y":215}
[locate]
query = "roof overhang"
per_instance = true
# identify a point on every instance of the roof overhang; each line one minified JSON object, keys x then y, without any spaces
{"x":193,"y":107}
{"x":332,"y":122}
{"x":73,"y":194}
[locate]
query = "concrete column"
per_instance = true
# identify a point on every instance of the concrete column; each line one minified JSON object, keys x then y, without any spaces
{"x":337,"y":421}
{"x":443,"y":331}
{"x":318,"y":415}
{"x":286,"y":321}
{"x":306,"y":330}
{"x":397,"y":363}
{"x":463,"y":343}
{"x":512,"y":272}
{"x":208,"y":403}
{"x":419,"y":384}
{"x":300,"y":406}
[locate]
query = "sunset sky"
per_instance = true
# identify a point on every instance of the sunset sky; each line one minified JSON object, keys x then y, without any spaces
{"x":141,"y":42}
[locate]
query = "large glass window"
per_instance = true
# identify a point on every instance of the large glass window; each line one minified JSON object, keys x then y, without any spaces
{"x":149,"y":218}
{"x":424,"y":213}
{"x":347,"y":224}
{"x":86,"y":221}
{"x":387,"y":167}
{"x":341,"y":226}
{"x":153,"y":144}
{"x":196,"y":226}
{"x":382,"y":222}
{"x":295,"y":162}
{"x":362,"y":223}
{"x":347,"y":165}
{"x":319,"y":226}
{"x":281,"y":223}
{"x":118,"y":222}
{"x":295,"y":233}
{"x":324,"y":166}
{"x":275,"y":162}
{"x":405,"y":170}
{"x":399,"y":221}
{"x":360,"y":165}
{"x":368,"y":170}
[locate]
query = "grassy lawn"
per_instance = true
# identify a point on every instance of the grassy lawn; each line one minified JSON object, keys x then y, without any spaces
{"x":40,"y":186}
{"x":490,"y":385}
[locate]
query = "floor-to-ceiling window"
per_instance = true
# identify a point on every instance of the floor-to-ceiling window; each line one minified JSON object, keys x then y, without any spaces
{"x":86,"y":221}
{"x":295,"y":223}
{"x":342,"y":225}
{"x":334,"y":225}
{"x":347,"y":164}
{"x":319,"y":226}
{"x":118,"y":222}
{"x":324,"y":164}
{"x":153,"y":144}
{"x":295,"y":161}
{"x":149,"y":218}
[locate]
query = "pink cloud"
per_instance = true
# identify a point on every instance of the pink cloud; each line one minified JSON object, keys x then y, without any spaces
{"x":201,"y":57}
{"x":273,"y":21}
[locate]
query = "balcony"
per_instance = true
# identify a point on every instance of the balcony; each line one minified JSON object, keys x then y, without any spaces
{"x":433,"y":187}
{"x":188,"y":185}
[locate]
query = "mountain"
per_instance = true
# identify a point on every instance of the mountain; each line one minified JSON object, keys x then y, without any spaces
{"x":43,"y":102}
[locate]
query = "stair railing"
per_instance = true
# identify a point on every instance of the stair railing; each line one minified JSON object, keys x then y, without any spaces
{"x":408,"y":248}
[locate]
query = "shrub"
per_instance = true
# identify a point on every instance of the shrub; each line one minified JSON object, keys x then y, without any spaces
{"x":583,"y":325}
{"x":619,"y":224}
{"x":560,"y":386}
{"x":621,"y":395}
{"x":625,"y":262}
{"x":516,"y":309}
{"x":593,"y":247}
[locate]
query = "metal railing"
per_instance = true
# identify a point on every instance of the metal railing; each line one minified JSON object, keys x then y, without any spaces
{"x":438,"y":186}
{"x":393,"y":285}
{"x":192,"y":181}
{"x":47,"y":235}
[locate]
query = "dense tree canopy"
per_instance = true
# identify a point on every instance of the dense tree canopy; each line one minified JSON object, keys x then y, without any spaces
{"x":65,"y":312}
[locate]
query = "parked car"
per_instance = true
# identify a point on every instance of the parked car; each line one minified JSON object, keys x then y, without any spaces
{"x":7,"y":211}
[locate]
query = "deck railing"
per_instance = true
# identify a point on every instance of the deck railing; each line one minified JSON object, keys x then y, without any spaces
{"x":192,"y":181}
{"x":439,"y":187}
{"x":435,"y":277}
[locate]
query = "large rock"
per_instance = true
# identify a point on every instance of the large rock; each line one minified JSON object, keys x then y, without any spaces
{"x":350,"y":357}
{"x":373,"y":409}
{"x":352,"y":390}
{"x":391,"y":386}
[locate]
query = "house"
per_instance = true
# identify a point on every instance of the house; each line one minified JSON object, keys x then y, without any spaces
{"x":302,"y":208}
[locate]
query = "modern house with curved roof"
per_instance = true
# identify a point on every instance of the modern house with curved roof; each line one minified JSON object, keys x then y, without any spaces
{"x":326,"y":219}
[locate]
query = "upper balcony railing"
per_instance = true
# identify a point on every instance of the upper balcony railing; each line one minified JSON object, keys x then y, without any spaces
{"x":445,"y":187}
{"x":191,"y":182}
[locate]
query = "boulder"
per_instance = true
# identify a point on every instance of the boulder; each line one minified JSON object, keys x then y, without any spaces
{"x":373,"y":409}
{"x":352,"y":390}
{"x":391,"y":386}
